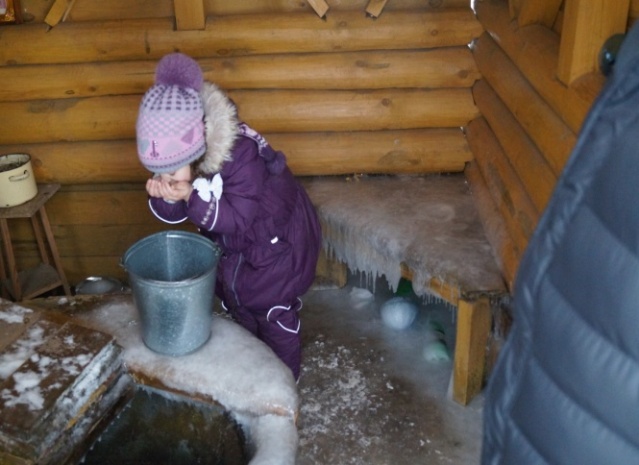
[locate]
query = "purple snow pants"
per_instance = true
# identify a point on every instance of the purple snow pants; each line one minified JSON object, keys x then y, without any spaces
{"x":278,"y":328}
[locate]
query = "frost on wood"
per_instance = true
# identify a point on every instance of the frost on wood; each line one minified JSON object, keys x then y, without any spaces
{"x":56,"y":380}
{"x":374,"y":224}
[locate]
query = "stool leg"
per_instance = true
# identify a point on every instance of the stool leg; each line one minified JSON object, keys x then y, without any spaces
{"x":37,"y":231}
{"x":54,"y":250}
{"x":11,"y":261}
{"x":3,"y":277}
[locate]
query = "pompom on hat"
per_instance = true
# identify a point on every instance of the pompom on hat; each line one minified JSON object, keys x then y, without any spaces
{"x":170,"y":126}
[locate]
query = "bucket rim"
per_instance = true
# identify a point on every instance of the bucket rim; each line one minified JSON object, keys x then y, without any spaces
{"x":168,"y":234}
{"x":175,"y":284}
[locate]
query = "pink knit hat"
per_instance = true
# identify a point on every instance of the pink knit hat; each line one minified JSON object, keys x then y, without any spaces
{"x":170,"y":126}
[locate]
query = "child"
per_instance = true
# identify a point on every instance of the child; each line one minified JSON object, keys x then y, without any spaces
{"x":226,"y":179}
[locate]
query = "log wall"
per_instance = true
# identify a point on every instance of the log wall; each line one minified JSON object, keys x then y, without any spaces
{"x":340,"y":95}
{"x":530,"y":119}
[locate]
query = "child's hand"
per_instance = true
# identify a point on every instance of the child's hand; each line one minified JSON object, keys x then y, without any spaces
{"x":171,"y":191}
{"x":176,"y":190}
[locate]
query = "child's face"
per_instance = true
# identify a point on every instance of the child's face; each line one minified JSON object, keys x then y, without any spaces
{"x":181,"y":174}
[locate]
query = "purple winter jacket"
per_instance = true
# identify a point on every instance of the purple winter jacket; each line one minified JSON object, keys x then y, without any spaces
{"x":250,"y":204}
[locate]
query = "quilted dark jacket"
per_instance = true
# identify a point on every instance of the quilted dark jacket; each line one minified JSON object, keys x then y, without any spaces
{"x":566,"y":386}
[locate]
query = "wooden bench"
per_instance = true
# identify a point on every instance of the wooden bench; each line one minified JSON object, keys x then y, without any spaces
{"x":425,"y":229}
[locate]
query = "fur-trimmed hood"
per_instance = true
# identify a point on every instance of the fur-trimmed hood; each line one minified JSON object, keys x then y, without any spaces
{"x":220,"y":126}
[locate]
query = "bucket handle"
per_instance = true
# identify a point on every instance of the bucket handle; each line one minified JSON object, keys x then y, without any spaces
{"x":19,"y":177}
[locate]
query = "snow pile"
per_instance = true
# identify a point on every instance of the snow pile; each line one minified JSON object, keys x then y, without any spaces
{"x":375,"y":224}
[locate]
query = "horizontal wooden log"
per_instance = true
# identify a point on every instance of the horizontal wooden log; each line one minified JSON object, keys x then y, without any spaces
{"x":527,"y":161}
{"x":436,"y":68}
{"x":110,"y":118}
{"x":506,"y":254}
{"x":535,"y":51}
{"x":416,"y":151}
{"x":94,"y":10}
{"x":384,"y":152}
{"x":543,"y":125}
{"x":237,"y":35}
{"x":506,"y":190}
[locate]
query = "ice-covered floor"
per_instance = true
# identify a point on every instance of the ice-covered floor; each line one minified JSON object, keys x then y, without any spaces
{"x":368,"y":395}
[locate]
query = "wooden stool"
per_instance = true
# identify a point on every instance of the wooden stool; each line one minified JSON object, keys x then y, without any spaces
{"x":33,"y":282}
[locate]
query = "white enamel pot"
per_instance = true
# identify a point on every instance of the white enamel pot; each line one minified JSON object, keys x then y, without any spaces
{"x":17,"y":182}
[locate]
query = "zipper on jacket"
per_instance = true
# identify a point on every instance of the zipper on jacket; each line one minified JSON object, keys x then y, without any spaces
{"x":237,"y":269}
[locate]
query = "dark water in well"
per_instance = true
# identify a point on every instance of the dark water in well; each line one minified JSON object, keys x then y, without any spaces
{"x":157,"y":429}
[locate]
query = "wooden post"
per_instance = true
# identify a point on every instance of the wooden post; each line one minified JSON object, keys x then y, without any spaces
{"x":189,"y":15}
{"x":473,"y":329}
{"x":375,"y":7}
{"x":587,"y":25}
{"x":320,"y":7}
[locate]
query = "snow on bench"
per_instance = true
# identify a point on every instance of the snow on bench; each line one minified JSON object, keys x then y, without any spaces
{"x":426,"y":229}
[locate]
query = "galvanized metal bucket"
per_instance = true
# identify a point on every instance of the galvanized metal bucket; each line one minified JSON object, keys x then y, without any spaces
{"x":172,"y":277}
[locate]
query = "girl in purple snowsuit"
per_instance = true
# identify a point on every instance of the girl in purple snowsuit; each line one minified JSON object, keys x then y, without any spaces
{"x":221,"y":175}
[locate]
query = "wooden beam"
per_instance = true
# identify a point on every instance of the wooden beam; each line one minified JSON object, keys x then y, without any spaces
{"x":506,"y":254}
{"x":113,"y":117}
{"x":320,"y":7}
{"x":375,"y":7}
{"x":506,"y":190}
{"x":415,"y":151}
{"x":94,"y":10}
{"x":189,"y":15}
{"x":542,"y":12}
{"x":474,"y":319}
{"x":587,"y":25}
{"x":237,"y":35}
{"x":534,"y":50}
{"x":434,"y":68}
{"x":549,"y":133}
{"x":525,"y":158}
